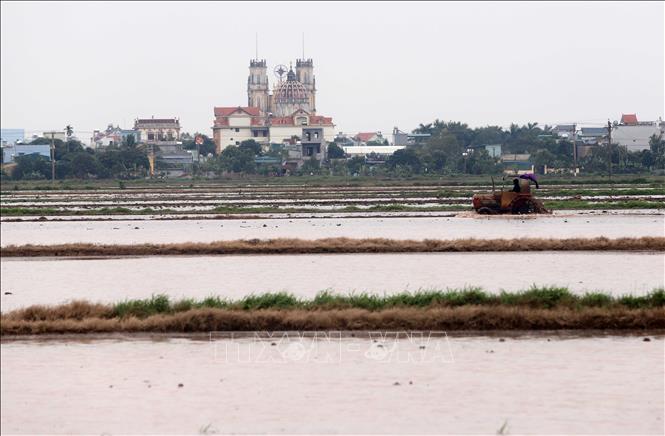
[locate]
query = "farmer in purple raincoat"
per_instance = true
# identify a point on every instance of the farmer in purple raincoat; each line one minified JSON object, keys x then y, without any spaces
{"x":531,"y":177}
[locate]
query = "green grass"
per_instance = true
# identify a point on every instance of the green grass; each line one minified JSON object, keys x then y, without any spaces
{"x":535,"y":297}
{"x":590,"y":192}
{"x":598,"y":205}
{"x":448,"y":180}
{"x":48,"y":211}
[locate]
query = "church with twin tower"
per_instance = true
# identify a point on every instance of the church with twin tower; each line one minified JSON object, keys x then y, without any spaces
{"x":293,"y":91}
{"x":287,"y":113}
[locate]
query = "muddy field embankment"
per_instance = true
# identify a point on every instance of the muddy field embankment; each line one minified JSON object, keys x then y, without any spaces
{"x":338,"y":246}
{"x":549,"y":308}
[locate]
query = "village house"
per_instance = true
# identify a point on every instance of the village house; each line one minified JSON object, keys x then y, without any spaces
{"x":633,"y":134}
{"x":162,"y":132}
{"x":111,"y":136}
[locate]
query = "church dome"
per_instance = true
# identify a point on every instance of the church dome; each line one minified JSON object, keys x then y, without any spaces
{"x":290,"y":95}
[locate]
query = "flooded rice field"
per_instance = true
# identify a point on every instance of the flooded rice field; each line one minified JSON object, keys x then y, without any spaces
{"x":77,"y":204}
{"x":109,"y":280}
{"x":302,"y":198}
{"x":132,"y":231}
{"x":550,"y":383}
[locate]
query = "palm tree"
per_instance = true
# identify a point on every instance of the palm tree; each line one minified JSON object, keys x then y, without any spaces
{"x":424,"y":128}
{"x":514,"y":129}
{"x":69,"y":130}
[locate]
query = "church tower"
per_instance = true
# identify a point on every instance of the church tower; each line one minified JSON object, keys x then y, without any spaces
{"x":257,"y":85}
{"x":305,"y":75}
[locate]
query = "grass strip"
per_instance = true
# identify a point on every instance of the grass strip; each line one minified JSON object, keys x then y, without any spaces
{"x":337,"y":245}
{"x":621,"y":204}
{"x":466,"y":309}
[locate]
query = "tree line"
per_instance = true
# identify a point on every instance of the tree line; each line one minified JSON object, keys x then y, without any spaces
{"x":452,"y":148}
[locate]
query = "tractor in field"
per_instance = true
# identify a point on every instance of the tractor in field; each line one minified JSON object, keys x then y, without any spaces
{"x":517,"y":201}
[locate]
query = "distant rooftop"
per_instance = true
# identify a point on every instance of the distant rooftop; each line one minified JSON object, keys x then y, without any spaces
{"x":157,"y":121}
{"x":629,"y":119}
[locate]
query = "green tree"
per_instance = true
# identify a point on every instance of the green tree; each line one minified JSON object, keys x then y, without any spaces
{"x":544,"y":157}
{"x":442,"y":151}
{"x":42,"y":141}
{"x":311,"y":166}
{"x":32,"y":166}
{"x":123,"y":163}
{"x":71,"y":146}
{"x":252,"y":146}
{"x":480,"y":162}
{"x":207,"y":148}
{"x":335,"y":151}
{"x":424,"y":128}
{"x":356,"y":165}
{"x":339,"y":168}
{"x":237,"y":160}
{"x":129,"y":141}
{"x":657,"y":148}
{"x":405,"y":159}
{"x":83,"y":165}
{"x":489,"y":135}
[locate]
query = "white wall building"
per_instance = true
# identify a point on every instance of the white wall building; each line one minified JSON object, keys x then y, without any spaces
{"x":233,"y":125}
{"x":159,"y":131}
{"x":634,"y":138}
{"x":364,"y":150}
{"x":633,"y":134}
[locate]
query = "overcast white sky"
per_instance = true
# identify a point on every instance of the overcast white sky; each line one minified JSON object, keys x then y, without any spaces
{"x":377,"y":65}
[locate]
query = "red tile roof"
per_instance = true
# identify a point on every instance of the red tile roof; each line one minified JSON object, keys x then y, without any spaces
{"x":226,"y":111}
{"x":365,"y":136}
{"x":629,"y":119}
{"x":290,"y":121}
{"x":320,"y":119}
{"x":281,"y":121}
{"x":222,"y":114}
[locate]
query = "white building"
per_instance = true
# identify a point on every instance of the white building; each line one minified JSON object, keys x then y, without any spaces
{"x":233,"y":125}
{"x":236,"y":124}
{"x":113,"y":135}
{"x":364,"y":150}
{"x":158,"y":131}
{"x":11,"y":152}
{"x":634,"y":135}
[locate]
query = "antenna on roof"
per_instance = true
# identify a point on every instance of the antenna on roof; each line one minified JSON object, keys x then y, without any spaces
{"x":303,"y":45}
{"x":256,"y":39}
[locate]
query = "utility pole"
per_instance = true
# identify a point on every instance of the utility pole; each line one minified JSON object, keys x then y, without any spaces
{"x":574,"y":147}
{"x":52,"y":155}
{"x":151,"y":159}
{"x":609,"y":149}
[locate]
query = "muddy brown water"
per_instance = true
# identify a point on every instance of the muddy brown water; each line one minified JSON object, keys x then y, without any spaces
{"x":109,"y":280}
{"x":545,"y":384}
{"x":162,"y":231}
